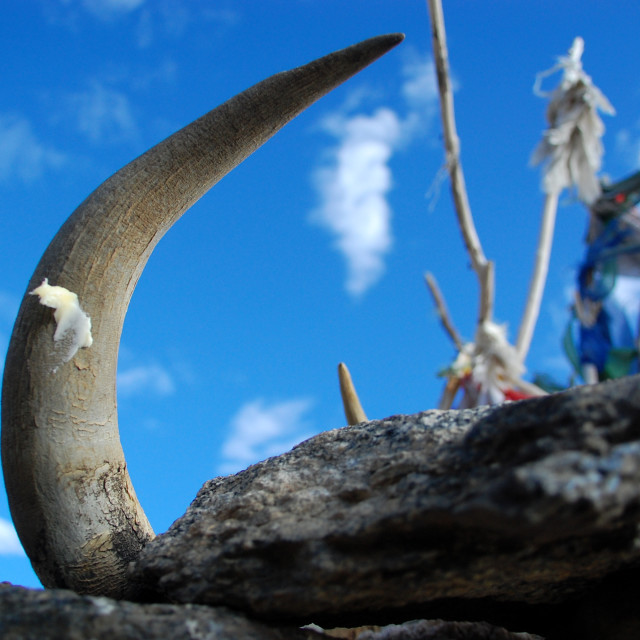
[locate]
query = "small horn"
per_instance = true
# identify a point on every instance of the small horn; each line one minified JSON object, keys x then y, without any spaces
{"x":69,"y":490}
{"x":352,"y":408}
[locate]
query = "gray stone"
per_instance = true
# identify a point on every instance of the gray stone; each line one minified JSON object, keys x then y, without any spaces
{"x":529,"y":504}
{"x":521,"y":517}
{"x":57,"y":614}
{"x":431,"y":630}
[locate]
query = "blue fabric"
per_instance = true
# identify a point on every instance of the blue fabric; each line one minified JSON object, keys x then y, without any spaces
{"x":610,"y":342}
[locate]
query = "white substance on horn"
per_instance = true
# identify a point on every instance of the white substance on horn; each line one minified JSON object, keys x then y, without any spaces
{"x":73,"y":324}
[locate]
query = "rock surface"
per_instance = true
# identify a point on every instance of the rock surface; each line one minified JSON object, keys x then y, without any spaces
{"x":529,"y":505}
{"x":523,"y":517}
{"x":58,"y":614}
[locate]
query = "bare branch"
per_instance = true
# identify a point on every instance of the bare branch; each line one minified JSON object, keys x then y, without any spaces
{"x":443,"y":312}
{"x":449,"y":393}
{"x":452,"y":151}
{"x":539,"y":277}
{"x":487,"y":292}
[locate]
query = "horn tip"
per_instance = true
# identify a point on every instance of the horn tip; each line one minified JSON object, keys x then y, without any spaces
{"x":388,"y":40}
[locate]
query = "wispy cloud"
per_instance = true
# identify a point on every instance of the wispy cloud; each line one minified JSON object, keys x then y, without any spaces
{"x":420,"y":91}
{"x":420,"y":87}
{"x":150,"y":378}
{"x":153,"y":21}
{"x":161,"y":19}
{"x":9,"y":542}
{"x":162,"y":72}
{"x":69,"y":13}
{"x":22,"y":155}
{"x":355,"y":181}
{"x":107,"y":9}
{"x":173,"y":19}
{"x":259,"y":430}
{"x":103,"y":114}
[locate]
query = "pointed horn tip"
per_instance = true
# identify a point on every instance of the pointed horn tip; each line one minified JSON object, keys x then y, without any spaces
{"x":396,"y":38}
{"x":343,"y":372}
{"x":375,"y":47}
{"x":388,"y":40}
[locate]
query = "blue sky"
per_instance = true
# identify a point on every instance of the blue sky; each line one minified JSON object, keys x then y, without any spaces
{"x":232,"y":340}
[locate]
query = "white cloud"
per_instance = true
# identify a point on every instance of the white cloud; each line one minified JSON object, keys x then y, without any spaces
{"x":145,"y":379}
{"x":9,"y":542}
{"x":354,"y":184}
{"x":353,"y":190}
{"x":103,"y":114}
{"x":258,"y":431}
{"x":22,"y":155}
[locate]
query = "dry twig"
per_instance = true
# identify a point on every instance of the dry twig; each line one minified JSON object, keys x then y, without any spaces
{"x":481,"y":265}
{"x":443,"y":312}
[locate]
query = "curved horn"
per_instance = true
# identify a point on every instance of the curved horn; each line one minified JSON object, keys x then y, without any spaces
{"x":69,"y":491}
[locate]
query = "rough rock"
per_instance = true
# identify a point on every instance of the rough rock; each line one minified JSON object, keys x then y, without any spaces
{"x":27,"y":614}
{"x":430,"y":630}
{"x":517,"y":509}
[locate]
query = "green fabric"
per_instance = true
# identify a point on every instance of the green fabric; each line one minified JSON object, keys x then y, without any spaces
{"x":619,"y":362}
